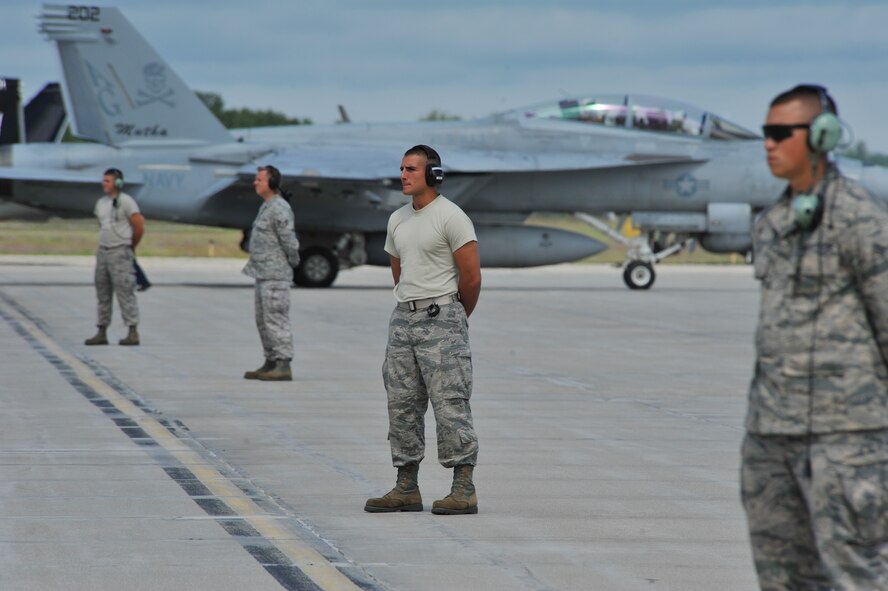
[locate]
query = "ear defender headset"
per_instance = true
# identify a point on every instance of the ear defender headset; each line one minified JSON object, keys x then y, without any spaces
{"x":118,"y":183}
{"x":118,"y":177}
{"x":826,"y":129}
{"x":824,"y":133}
{"x":434,"y":174}
{"x":274,"y":177}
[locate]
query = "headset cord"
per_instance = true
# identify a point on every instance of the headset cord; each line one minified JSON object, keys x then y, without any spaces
{"x":113,"y":218}
{"x":813,"y":348}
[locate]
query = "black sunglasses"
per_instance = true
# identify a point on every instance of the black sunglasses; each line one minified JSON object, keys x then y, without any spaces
{"x":778,"y":133}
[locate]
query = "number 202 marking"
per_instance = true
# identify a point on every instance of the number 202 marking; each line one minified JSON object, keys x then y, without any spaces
{"x":83,"y":13}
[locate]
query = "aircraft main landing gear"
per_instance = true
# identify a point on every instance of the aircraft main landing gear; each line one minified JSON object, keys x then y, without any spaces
{"x":318,"y":268}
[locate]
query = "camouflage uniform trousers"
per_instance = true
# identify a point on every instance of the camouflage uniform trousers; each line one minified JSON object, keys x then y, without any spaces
{"x":817,"y":509}
{"x":429,"y":359}
{"x":115,"y":274}
{"x":273,"y":319}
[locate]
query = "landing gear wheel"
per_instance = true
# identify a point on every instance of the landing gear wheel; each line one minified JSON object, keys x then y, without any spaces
{"x":639,"y":275}
{"x":318,"y":268}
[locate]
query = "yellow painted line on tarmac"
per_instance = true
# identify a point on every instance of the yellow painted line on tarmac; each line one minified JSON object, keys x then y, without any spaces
{"x":312,"y":563}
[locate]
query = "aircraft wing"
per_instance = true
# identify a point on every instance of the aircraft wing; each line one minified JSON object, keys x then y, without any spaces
{"x":63,"y":192}
{"x":376,"y":163}
{"x":346,"y":163}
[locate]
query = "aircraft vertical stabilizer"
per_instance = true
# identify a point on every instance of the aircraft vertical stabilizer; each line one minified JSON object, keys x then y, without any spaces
{"x":45,"y":117}
{"x":11,"y":123}
{"x":117,"y":88}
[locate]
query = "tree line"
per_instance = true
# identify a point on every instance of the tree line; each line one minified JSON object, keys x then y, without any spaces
{"x":236,"y":118}
{"x":859,"y":151}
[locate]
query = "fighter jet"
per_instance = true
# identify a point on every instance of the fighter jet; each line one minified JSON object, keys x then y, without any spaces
{"x":43,"y":119}
{"x":680,"y":172}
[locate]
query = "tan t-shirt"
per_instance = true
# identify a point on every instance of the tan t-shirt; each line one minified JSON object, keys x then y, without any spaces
{"x":116,"y":229}
{"x":425,"y":241}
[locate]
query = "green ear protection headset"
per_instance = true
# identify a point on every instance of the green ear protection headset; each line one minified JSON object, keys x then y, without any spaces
{"x":118,"y":177}
{"x":826,"y":129}
{"x":824,"y":134}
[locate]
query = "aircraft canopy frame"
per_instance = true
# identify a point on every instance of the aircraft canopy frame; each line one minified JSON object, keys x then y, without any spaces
{"x":639,"y":112}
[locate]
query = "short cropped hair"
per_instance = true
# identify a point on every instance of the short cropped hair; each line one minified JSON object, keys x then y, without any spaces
{"x":427,"y":151}
{"x":808,"y":93}
{"x":115,"y":172}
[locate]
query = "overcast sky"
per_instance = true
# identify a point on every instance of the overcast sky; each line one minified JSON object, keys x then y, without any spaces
{"x":397,"y":60}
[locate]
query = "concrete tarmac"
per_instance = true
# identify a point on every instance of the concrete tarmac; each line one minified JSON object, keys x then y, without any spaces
{"x":609,"y":424}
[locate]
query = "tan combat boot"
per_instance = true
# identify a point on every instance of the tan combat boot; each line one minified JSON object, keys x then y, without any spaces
{"x":254,"y":375}
{"x":462,"y":499}
{"x":279,"y":372}
{"x":132,"y":338}
{"x":404,"y":497}
{"x":101,"y":337}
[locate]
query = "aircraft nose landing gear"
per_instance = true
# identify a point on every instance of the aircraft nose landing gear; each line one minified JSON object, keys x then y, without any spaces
{"x":639,"y":275}
{"x":638,"y":272}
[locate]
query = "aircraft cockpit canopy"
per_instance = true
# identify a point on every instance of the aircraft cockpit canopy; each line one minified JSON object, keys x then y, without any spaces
{"x":639,"y":112}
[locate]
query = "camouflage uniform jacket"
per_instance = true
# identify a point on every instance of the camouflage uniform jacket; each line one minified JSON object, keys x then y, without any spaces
{"x":822,"y":337}
{"x":274,"y":249}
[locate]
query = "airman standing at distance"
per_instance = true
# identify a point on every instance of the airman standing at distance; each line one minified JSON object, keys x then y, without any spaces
{"x":121,"y":228}
{"x":434,"y":259}
{"x":814,"y":474}
{"x":274,"y":251}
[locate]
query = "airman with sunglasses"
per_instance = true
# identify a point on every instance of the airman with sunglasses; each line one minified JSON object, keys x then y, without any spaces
{"x":814,"y":474}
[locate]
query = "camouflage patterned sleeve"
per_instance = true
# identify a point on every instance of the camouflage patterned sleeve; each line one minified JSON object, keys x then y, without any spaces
{"x":870,"y":263}
{"x":763,"y":236}
{"x":285,"y":224}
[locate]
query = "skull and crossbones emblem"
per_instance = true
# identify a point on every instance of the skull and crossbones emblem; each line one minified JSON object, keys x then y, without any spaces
{"x":156,"y":89}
